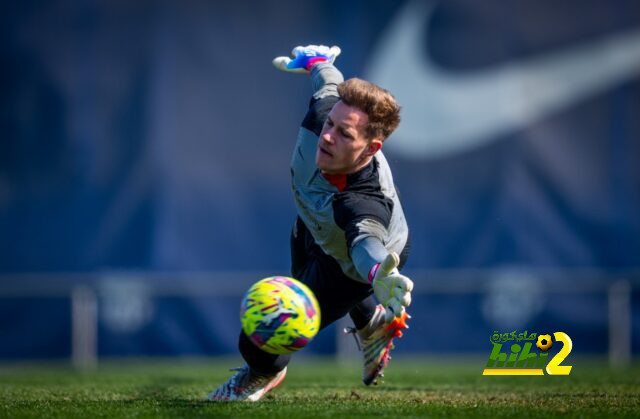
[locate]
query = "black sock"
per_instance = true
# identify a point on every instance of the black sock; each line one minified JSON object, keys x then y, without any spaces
{"x":260,"y":361}
{"x":363,"y":311}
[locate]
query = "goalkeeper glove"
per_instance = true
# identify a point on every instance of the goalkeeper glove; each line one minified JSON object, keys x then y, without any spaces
{"x":392,"y":289}
{"x":306,"y":57}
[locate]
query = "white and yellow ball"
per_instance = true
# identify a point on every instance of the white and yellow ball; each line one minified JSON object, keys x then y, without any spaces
{"x":280,"y":315}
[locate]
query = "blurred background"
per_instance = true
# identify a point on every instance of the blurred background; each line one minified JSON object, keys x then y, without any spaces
{"x":144,"y":168}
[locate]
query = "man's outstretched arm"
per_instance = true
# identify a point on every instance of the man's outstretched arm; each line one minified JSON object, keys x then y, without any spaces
{"x":317,"y":61}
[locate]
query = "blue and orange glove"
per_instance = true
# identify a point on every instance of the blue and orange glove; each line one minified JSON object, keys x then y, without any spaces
{"x":304,"y":58}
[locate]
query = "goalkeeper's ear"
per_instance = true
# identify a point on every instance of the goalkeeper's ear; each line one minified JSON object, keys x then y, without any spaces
{"x":374,"y":146}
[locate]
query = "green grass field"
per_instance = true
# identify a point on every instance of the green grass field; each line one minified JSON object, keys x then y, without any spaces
{"x":316,"y":388}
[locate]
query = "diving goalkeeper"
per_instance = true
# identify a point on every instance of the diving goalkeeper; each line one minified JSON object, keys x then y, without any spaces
{"x":350,"y":236}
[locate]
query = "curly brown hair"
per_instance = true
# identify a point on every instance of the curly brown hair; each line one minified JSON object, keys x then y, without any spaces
{"x":379,"y":104}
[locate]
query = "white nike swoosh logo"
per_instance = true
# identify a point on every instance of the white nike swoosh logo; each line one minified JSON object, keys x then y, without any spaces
{"x":445,"y":113}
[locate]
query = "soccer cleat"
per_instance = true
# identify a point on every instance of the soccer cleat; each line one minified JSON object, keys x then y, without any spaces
{"x":377,"y":342}
{"x":246,"y":385}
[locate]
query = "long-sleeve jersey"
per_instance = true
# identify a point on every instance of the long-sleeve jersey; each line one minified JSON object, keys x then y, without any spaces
{"x":359,"y":223}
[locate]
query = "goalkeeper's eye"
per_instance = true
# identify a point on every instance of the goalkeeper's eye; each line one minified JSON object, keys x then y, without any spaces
{"x":346,"y":134}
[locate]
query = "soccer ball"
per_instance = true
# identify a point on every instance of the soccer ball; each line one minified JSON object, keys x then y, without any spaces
{"x":544,"y":343}
{"x":280,"y":315}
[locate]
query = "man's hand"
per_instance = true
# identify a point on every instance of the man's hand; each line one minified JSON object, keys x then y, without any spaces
{"x":306,"y":57}
{"x":392,"y":289}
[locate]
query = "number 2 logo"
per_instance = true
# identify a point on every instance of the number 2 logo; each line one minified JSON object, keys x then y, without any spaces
{"x":554,"y":367}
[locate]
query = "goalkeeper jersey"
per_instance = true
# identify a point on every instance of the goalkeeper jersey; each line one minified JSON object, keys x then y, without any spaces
{"x":356,"y":219}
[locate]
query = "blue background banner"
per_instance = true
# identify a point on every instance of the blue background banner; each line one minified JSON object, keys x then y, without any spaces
{"x":156,"y":137}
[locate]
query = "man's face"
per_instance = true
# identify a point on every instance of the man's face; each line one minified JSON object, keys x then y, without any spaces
{"x":343,"y":147}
